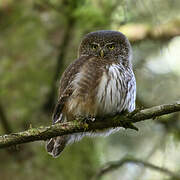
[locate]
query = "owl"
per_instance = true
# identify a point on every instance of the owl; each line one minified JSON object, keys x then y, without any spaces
{"x":99,"y":83}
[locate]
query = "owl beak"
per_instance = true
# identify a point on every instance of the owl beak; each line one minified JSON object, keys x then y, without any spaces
{"x":101,"y":53}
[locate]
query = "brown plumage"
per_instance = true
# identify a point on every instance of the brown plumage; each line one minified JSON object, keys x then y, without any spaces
{"x":99,"y":83}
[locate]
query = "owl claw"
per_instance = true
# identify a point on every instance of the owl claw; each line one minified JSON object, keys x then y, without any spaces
{"x":129,"y":125}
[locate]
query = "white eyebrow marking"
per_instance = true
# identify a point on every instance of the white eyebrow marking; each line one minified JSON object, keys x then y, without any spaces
{"x":95,"y":43}
{"x":110,"y":43}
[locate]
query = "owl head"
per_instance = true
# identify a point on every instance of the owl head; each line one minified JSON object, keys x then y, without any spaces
{"x":111,"y":45}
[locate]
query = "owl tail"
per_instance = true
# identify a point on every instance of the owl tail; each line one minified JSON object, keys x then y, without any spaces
{"x":56,"y":145}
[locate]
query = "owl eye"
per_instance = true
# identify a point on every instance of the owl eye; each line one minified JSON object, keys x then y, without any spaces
{"x":110,"y":46}
{"x":94,"y":46}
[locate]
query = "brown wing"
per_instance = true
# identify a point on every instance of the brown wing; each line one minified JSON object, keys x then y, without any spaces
{"x":65,"y":89}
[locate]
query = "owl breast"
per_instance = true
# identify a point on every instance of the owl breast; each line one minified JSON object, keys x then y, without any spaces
{"x":108,"y":91}
{"x":116,"y":91}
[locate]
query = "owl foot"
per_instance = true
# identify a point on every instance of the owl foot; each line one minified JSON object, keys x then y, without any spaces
{"x":127,"y":124}
{"x":90,"y":119}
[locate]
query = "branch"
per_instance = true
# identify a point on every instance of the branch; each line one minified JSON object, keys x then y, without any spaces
{"x":43,"y":133}
{"x":116,"y":164}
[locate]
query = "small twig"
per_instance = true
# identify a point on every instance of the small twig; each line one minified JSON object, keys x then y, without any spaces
{"x":117,"y":164}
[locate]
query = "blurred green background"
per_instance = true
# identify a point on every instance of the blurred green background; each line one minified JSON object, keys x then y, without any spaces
{"x":39,"y":39}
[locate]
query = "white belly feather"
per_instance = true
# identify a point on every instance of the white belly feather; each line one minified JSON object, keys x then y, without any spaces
{"x":115,"y":94}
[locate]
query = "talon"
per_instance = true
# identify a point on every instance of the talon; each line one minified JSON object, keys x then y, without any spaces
{"x":129,"y":125}
{"x":90,"y":119}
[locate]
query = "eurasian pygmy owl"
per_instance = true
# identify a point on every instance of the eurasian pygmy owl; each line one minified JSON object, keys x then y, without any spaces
{"x":99,"y":83}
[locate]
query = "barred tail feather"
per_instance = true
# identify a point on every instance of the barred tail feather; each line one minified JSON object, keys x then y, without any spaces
{"x":56,"y":145}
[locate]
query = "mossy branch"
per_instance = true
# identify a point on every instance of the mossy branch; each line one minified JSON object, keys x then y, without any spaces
{"x":127,"y":121}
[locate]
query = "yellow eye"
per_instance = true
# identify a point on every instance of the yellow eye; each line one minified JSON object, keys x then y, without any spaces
{"x":94,"y":46}
{"x":111,"y":46}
